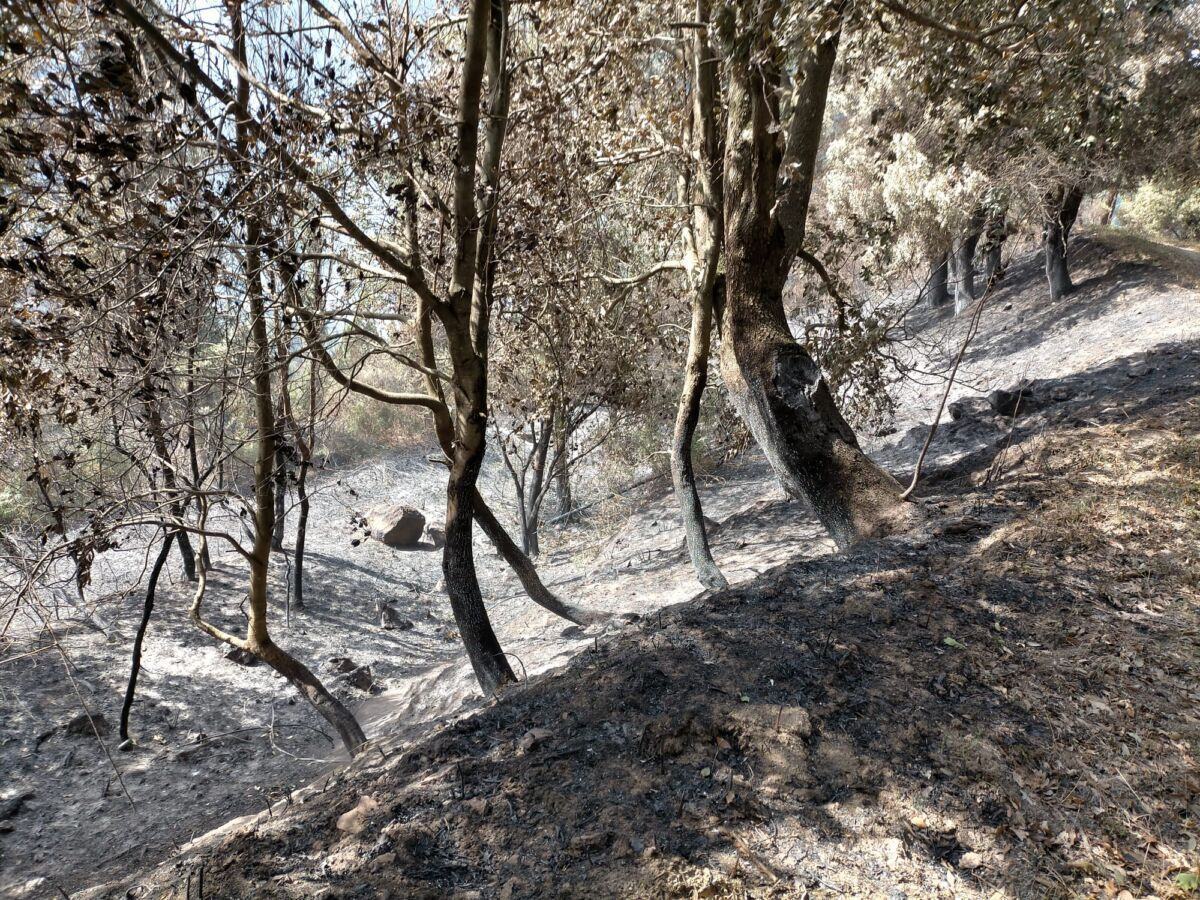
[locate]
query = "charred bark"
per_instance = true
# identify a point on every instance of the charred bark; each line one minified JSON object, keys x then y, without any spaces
{"x":258,"y":638}
{"x":964,"y":263}
{"x":706,"y":238}
{"x":301,"y":531}
{"x":774,"y":384}
{"x":135,"y":665}
{"x":937,"y":289}
{"x":281,"y":460}
{"x":682,"y":473}
{"x":1062,"y":209}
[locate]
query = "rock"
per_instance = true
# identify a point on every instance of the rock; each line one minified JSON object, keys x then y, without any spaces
{"x":969,"y":408}
{"x":970,"y":861}
{"x":1011,"y":402}
{"x":389,"y":619}
{"x":355,"y":820}
{"x":342,"y":664}
{"x":84,"y":726}
{"x":399,"y":526}
{"x":591,"y":840}
{"x":361,"y":678}
{"x":1140,"y":371}
{"x":242,"y":657}
{"x":572,"y":631}
{"x":11,"y":806}
{"x":534,"y":738}
{"x":477,"y":805}
{"x":435,"y":536}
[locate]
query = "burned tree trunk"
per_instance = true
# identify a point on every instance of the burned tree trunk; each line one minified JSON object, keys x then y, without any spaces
{"x":465,"y":319}
{"x":258,"y":639}
{"x":964,"y":263}
{"x":774,"y":384}
{"x":995,"y":233}
{"x":937,"y":289}
{"x":301,"y":530}
{"x":281,"y":469}
{"x":135,"y":665}
{"x":1062,"y":209}
{"x":562,"y":474}
{"x":706,"y":239}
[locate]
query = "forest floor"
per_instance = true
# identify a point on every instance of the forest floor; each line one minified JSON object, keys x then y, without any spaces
{"x":1003,"y":702}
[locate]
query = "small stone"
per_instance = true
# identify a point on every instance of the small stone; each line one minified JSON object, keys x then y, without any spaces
{"x":593,"y":839}
{"x":242,"y":657}
{"x":384,"y":861}
{"x":572,"y":631}
{"x":342,"y":664}
{"x":12,"y":805}
{"x":534,"y":738}
{"x":477,"y":805}
{"x":970,"y":861}
{"x":361,"y":678}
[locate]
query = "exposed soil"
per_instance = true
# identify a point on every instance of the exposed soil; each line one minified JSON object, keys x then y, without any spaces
{"x":1005,"y":701}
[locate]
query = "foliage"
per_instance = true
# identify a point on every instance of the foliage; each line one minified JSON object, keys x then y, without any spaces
{"x":1164,"y":207}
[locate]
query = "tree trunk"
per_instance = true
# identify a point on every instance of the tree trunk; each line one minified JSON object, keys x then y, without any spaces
{"x":562,"y":472}
{"x":706,"y":237}
{"x":774,"y":384}
{"x":995,"y":233}
{"x":193,"y":454}
{"x":531,"y":498}
{"x":1062,"y":208}
{"x":301,"y":531}
{"x":964,"y":263}
{"x":526,"y":572}
{"x":1110,"y":208}
{"x":938,"y":290}
{"x":258,"y":639}
{"x":458,"y":556}
{"x":135,"y":665}
{"x":186,"y":555}
{"x":686,"y":418}
{"x":280,"y":495}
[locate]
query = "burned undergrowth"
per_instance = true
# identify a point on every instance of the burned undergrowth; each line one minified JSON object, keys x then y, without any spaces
{"x":1005,"y":702}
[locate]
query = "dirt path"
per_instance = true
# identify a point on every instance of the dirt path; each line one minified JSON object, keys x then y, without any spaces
{"x":212,"y":733}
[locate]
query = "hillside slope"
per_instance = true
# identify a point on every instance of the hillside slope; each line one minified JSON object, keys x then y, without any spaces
{"x":1003,"y":702}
